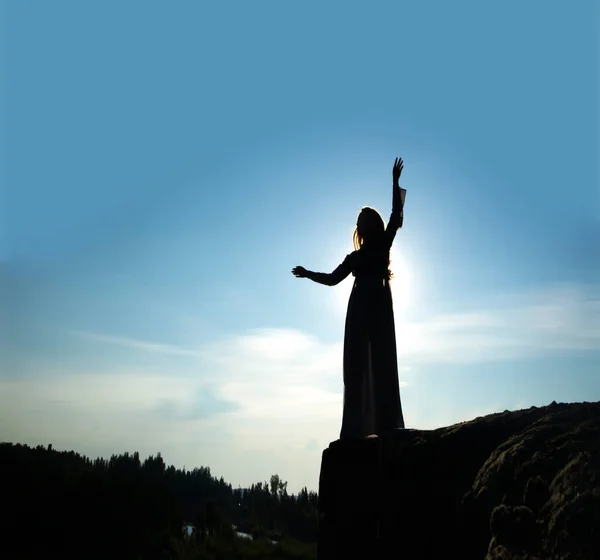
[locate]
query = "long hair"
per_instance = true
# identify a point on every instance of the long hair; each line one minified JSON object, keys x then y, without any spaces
{"x":370,"y":232}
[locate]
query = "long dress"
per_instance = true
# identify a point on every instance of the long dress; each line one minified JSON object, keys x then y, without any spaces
{"x":371,"y":389}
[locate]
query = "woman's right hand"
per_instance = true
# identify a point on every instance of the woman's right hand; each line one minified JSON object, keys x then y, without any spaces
{"x":299,"y":272}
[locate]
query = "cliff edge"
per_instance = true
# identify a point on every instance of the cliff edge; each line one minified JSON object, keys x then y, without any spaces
{"x":520,"y":485}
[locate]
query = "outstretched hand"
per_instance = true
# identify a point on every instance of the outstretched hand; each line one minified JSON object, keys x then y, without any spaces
{"x":299,"y":272}
{"x":398,"y":166}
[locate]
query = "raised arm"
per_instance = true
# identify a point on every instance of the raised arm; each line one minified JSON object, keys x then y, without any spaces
{"x":397,"y":216}
{"x":327,"y":279}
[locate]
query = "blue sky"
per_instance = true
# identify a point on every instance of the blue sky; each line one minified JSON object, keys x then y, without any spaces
{"x":166,"y":165}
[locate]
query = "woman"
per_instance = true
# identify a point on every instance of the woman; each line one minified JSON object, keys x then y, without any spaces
{"x":371,"y":390}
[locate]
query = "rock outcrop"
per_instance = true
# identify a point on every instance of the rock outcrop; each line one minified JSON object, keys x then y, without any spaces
{"x":514,"y":485}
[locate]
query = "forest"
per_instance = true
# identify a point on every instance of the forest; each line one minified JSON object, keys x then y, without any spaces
{"x":63,"y":503}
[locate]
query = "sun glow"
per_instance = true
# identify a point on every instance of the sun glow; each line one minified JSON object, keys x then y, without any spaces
{"x":401,"y":284}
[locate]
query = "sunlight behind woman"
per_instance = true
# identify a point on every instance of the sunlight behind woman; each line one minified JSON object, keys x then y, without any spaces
{"x":401,"y":284}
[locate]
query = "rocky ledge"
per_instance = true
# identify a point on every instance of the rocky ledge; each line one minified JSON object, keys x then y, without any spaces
{"x":520,"y":485}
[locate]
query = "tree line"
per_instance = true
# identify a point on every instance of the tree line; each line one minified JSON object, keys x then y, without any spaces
{"x":126,"y":507}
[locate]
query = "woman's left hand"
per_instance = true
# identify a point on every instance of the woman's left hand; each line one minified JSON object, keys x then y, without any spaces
{"x":397,"y":171}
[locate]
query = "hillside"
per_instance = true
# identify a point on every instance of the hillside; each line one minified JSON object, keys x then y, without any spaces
{"x":515,"y":485}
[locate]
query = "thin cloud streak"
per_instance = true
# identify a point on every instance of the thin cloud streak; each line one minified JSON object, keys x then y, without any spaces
{"x":137,"y":344}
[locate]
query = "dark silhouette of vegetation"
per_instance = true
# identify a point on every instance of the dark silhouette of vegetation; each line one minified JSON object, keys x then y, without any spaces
{"x":517,"y":485}
{"x":66,"y":505}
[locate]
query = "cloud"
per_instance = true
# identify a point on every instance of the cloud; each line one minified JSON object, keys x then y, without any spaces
{"x":270,"y":396}
{"x":136,"y":392}
{"x":127,"y":410}
{"x":279,"y":382}
{"x":312,"y":445}
{"x":137,"y":344}
{"x":560,"y":318}
{"x":286,"y":373}
{"x":203,"y":402}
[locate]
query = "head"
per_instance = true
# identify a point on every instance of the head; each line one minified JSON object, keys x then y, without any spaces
{"x":369,"y":227}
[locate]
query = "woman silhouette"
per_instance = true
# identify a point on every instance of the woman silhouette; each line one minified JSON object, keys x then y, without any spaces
{"x":371,"y":390}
